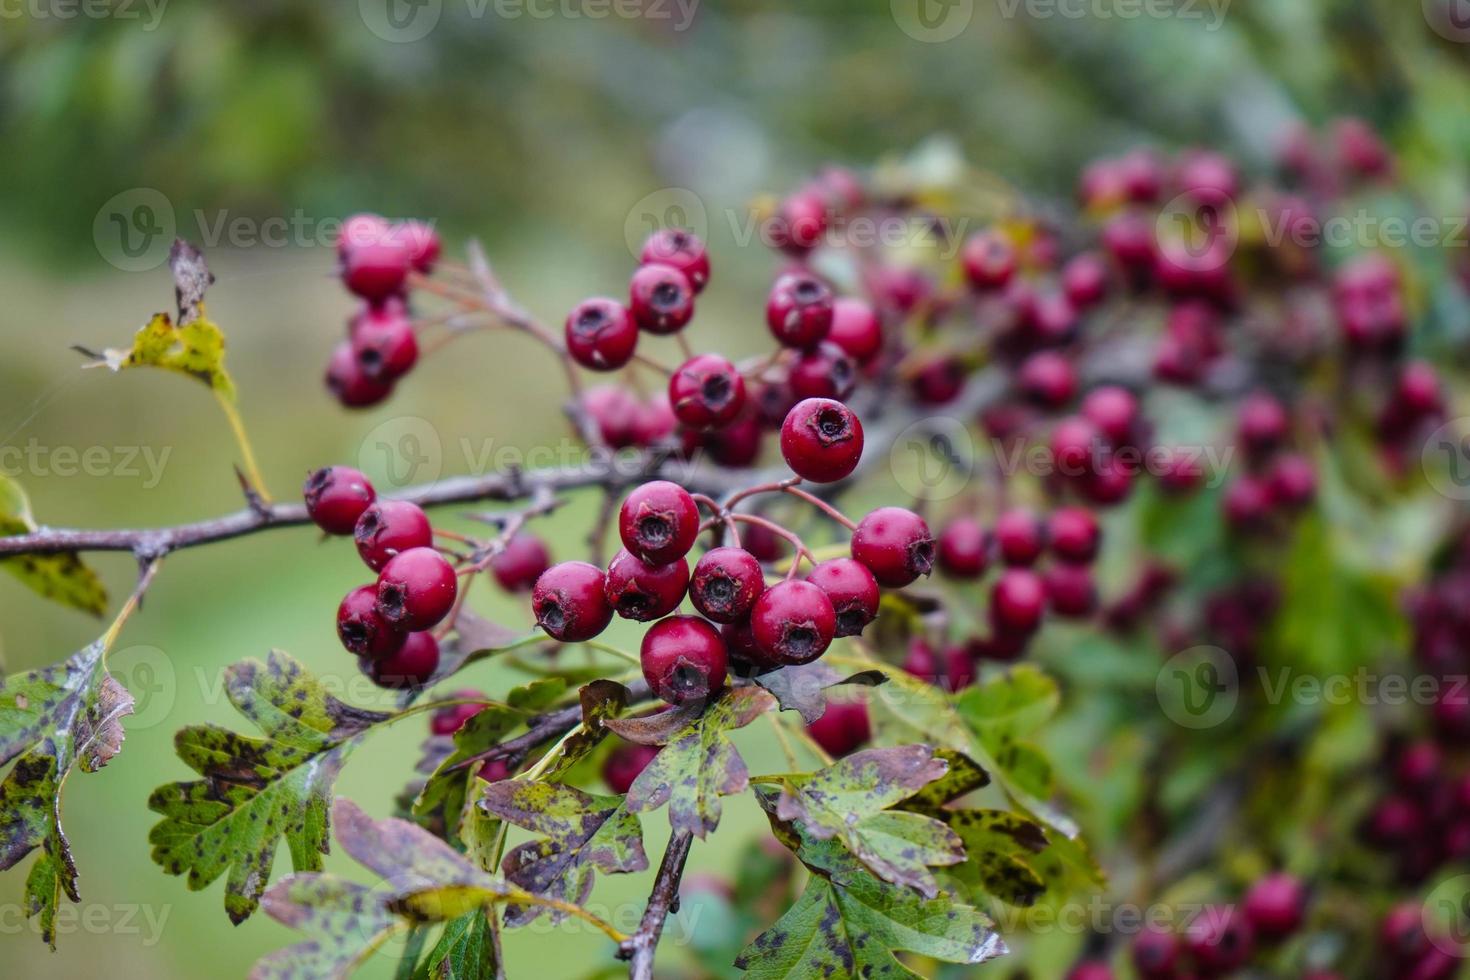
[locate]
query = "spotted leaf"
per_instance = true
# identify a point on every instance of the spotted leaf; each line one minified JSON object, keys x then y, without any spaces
{"x":63,"y":577}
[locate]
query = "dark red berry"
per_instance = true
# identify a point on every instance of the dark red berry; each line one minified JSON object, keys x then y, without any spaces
{"x":922,"y":661}
{"x":799,"y":222}
{"x":726,"y":584}
{"x":1048,"y":379}
{"x":390,"y":527}
{"x":1263,"y":424}
{"x":348,"y":382}
{"x":1274,"y":905}
{"x":1419,"y":767}
{"x":452,"y":717}
{"x":1114,"y":411}
{"x":680,"y":249}
{"x":1292,"y":480}
{"x":363,"y":630}
{"x":520,"y":563}
{"x":963,"y":548}
{"x":336,"y":496}
{"x":1085,"y":280}
{"x":639,"y":591}
{"x":625,"y":763}
{"x":1076,"y":447}
{"x":793,"y":622}
{"x":856,"y":329}
{"x":740,"y":645}
{"x":706,"y":391}
{"x":570,"y":603}
{"x":683,"y":659}
{"x":659,"y":522}
{"x":1091,"y":970}
{"x":614,"y":410}
{"x":411,"y":668}
{"x":417,"y":589}
{"x":652,"y":420}
{"x":377,"y":269}
{"x":1156,"y":953}
{"x":895,"y":545}
{"x":825,"y":371}
{"x":384,"y":343}
{"x":601,"y":334}
{"x":939,"y":381}
{"x":1219,"y":939}
{"x":360,"y":229}
{"x":799,"y":310}
{"x":1070,"y":590}
{"x":1073,"y":534}
{"x":853,"y":591}
{"x":989,"y":259}
{"x":822,"y":440}
{"x":842,"y":728}
{"x":959,"y":666}
{"x":1019,"y":536}
{"x":422,"y":242}
{"x":661,"y":298}
{"x":1017,"y":600}
{"x":1247,"y":502}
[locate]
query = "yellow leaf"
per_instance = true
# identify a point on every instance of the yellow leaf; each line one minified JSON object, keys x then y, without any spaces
{"x":197,"y":349}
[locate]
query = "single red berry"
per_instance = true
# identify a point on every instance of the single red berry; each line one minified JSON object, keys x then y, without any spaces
{"x":652,"y":420}
{"x":900,"y":290}
{"x":740,"y":645}
{"x":1109,"y":483}
{"x":639,"y":591}
{"x":800,"y":222}
{"x":843,"y":728}
{"x":799,"y":310}
{"x":922,"y":661}
{"x":726,"y":584}
{"x":336,"y":496}
{"x":853,"y":591}
{"x":825,"y":371}
{"x":520,"y":563}
{"x":1180,"y":471}
{"x":761,"y":541}
{"x":390,"y":527}
{"x":1156,"y":953}
{"x":989,"y":259}
{"x":963,"y":548}
{"x":411,"y":668}
{"x":422,"y":242}
{"x":939,"y":381}
{"x":843,"y":187}
{"x":452,"y":717}
{"x":680,"y":249}
{"x":895,"y":545}
{"x":659,"y":522}
{"x":1219,"y":939}
{"x":384,"y":343}
{"x":625,"y":764}
{"x":661,"y":299}
{"x":1129,"y":238}
{"x":1091,"y":970}
{"x":1070,"y":590}
{"x":601,"y":334}
{"x":1019,"y":536}
{"x":793,"y":622}
{"x":1085,"y":280}
{"x":683,"y":659}
{"x":349,"y":383}
{"x":1076,"y":447}
{"x":1418,"y":390}
{"x":361,"y":229}
{"x":570,"y":602}
{"x":1419,"y":767}
{"x":706,"y":390}
{"x":416,"y":589}
{"x":773,"y":399}
{"x":1263,"y":424}
{"x":376,"y":269}
{"x":1207,"y":175}
{"x":822,"y":440}
{"x":959,"y":666}
{"x":1142,"y":175}
{"x":1247,"y":502}
{"x":1275,"y":904}
{"x":737,"y":445}
{"x":1292,"y":480}
{"x":1048,"y":378}
{"x":363,"y":630}
{"x":614,"y":410}
{"x":1114,"y":410}
{"x":1073,"y":534}
{"x":856,"y":329}
{"x":1017,"y":600}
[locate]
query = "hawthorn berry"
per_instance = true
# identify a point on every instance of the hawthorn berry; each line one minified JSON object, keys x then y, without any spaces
{"x":1114,"y":410}
{"x":1070,"y":590}
{"x":959,"y":667}
{"x":1219,"y":939}
{"x":384,"y":344}
{"x":416,"y":589}
{"x":1084,"y":280}
{"x":793,"y":622}
{"x":452,"y":717}
{"x":570,"y":602}
{"x":658,"y":522}
{"x":856,"y":329}
{"x":1274,"y":905}
{"x":360,"y":229}
{"x":706,"y":390}
{"x":660,"y":298}
{"x":410,"y":668}
{"x":842,"y":728}
{"x":740,"y":645}
{"x":825,"y":371}
{"x":1073,"y":534}
{"x":1180,"y":471}
{"x":922,"y":662}
{"x":601,"y":334}
{"x":1076,"y":446}
{"x":1263,"y":424}
{"x":800,"y":222}
{"x":681,"y":250}
{"x":625,"y":764}
{"x":1156,"y":953}
{"x":1247,"y":502}
{"x":422,"y":242}
{"x":822,"y":440}
{"x":726,"y":583}
{"x":336,"y":496}
{"x":363,"y":630}
{"x":390,"y":527}
{"x":614,"y":411}
{"x":895,"y":545}
{"x":1292,"y":481}
{"x":963,"y":548}
{"x":799,"y":310}
{"x":652,"y":420}
{"x":639,"y":591}
{"x":1091,"y":970}
{"x":736,"y":445}
{"x":989,"y":260}
{"x":1048,"y":379}
{"x":1019,"y":536}
{"x":349,"y":383}
{"x":853,"y":591}
{"x":939,"y":381}
{"x":683,"y":659}
{"x":1017,"y":600}
{"x":376,"y":269}
{"x":520,"y":563}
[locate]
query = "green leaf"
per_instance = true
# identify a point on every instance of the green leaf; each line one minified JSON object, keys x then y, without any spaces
{"x":1009,"y":706}
{"x":466,"y":950}
{"x":582,"y":834}
{"x":255,"y":791}
{"x":63,"y":577}
{"x":698,"y":763}
{"x":346,"y":920}
{"x":52,"y":721}
{"x":195,"y":348}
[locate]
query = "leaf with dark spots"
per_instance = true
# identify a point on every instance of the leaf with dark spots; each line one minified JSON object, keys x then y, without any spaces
{"x":1009,"y":706}
{"x":602,"y":701}
{"x":257,"y":791}
{"x":658,"y":727}
{"x":963,"y":775}
{"x":1000,"y":848}
{"x":63,"y":577}
{"x":799,"y":688}
{"x":581,"y":834}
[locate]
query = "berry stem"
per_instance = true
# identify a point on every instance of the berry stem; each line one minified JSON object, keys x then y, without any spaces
{"x":802,"y":551}
{"x":821,"y":505}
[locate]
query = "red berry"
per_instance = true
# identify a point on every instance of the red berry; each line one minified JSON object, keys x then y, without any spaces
{"x":856,"y":329}
{"x":1263,"y":424}
{"x":652,"y":420}
{"x":737,"y":445}
{"x":706,"y":391}
{"x":643,"y":592}
{"x":1076,"y":446}
{"x":1418,"y":390}
{"x":570,"y":602}
{"x":959,"y":666}
{"x":1247,"y":502}
{"x":659,"y":522}
{"x":336,"y":496}
{"x":799,"y":222}
{"x":417,"y":589}
{"x":842,"y":728}
{"x":1419,"y":767}
{"x":799,"y":310}
{"x":1219,"y":939}
{"x":1207,"y":175}
{"x":680,"y":249}
{"x":895,"y":545}
{"x":939,"y":381}
{"x":726,"y":584}
{"x":363,"y":630}
{"x":1084,"y":280}
{"x":661,"y":298}
{"x":422,"y":242}
{"x":1073,"y":534}
{"x":384,"y":344}
{"x":376,"y":269}
{"x":825,"y":371}
{"x":1091,"y":970}
{"x":412,"y":667}
{"x":1180,"y":471}
{"x":349,"y":383}
{"x":989,"y":259}
{"x":852,"y":590}
{"x":963,"y":548}
{"x":1292,"y":480}
{"x":361,"y":229}
{"x":1070,"y":590}
{"x":1017,"y":600}
{"x":793,"y":622}
{"x":601,"y":334}
{"x":1155,"y":953}
{"x":615,"y":412}
{"x":1275,"y":904}
{"x":390,"y":527}
{"x":1114,"y":411}
{"x":822,"y":440}
{"x":1129,"y":239}
{"x":921,"y":661}
{"x":1048,"y":378}
{"x":1019,"y":536}
{"x":451,"y":718}
{"x":740,"y":644}
{"x":683,"y":659}
{"x":625,"y":763}
{"x":520,"y":563}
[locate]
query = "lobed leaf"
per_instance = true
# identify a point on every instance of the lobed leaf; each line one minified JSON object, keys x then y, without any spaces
{"x":800,"y":687}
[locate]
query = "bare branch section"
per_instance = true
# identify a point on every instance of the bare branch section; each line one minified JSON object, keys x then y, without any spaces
{"x":639,"y":948}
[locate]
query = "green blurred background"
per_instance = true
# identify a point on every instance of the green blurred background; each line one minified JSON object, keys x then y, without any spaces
{"x":550,"y":134}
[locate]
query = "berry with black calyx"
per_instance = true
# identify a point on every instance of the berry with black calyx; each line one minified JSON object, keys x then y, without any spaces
{"x":570,"y":602}
{"x":824,"y":371}
{"x":660,"y":298}
{"x":726,"y":583}
{"x":520,"y":562}
{"x":411,"y":668}
{"x":1019,"y":536}
{"x":384,"y":343}
{"x":626,"y":763}
{"x":680,"y":249}
{"x":642,"y":592}
{"x":793,"y":622}
{"x":706,"y":391}
{"x":799,"y":310}
{"x":417,"y":589}
{"x":1219,"y":939}
{"x":601,"y":334}
{"x":842,"y":729}
{"x":390,"y":527}
{"x":683,"y":659}
{"x":1072,"y":534}
{"x":349,"y":383}
{"x":822,"y":440}
{"x":336,"y":496}
{"x":658,"y":522}
{"x":856,"y":329}
{"x":363,"y":630}
{"x":1156,"y":953}
{"x":895,"y":545}
{"x":853,"y":591}
{"x":1017,"y":600}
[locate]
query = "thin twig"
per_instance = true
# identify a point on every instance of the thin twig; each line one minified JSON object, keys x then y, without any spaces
{"x":639,"y":948}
